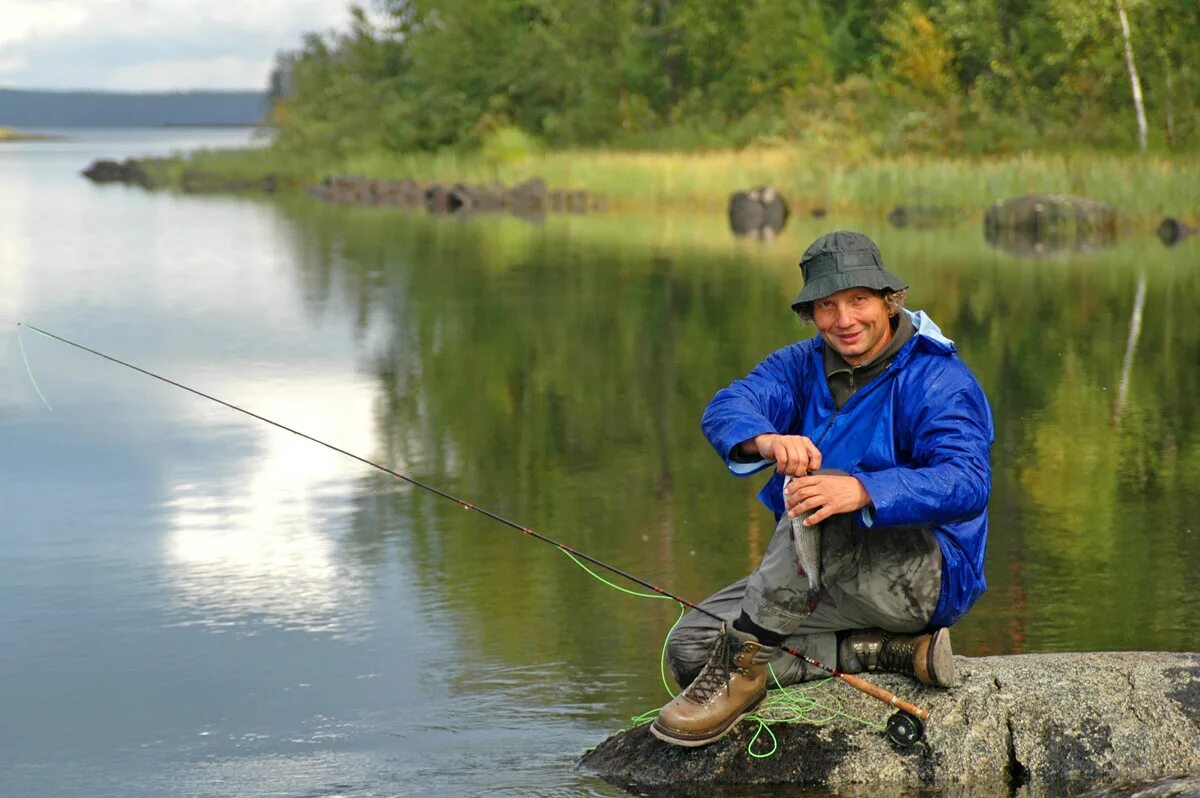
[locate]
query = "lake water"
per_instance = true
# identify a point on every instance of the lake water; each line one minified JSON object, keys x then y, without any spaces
{"x":195,"y":603}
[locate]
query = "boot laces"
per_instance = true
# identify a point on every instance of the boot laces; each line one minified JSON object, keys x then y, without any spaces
{"x":716,"y":674}
{"x":896,"y":653}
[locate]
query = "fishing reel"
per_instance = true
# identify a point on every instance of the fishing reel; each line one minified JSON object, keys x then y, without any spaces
{"x":905,"y":730}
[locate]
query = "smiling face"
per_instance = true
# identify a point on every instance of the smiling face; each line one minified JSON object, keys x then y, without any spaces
{"x":854,"y":322}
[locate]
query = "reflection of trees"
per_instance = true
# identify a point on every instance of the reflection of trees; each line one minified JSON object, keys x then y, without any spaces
{"x":560,"y":387}
{"x":1111,"y":501}
{"x":556,"y":376}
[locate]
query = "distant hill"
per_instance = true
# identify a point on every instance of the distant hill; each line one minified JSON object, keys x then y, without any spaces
{"x":35,"y":109}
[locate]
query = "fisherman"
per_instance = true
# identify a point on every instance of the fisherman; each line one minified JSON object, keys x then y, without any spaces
{"x":881,"y":434}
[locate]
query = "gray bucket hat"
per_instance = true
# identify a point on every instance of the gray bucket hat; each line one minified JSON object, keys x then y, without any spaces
{"x":840,"y":260}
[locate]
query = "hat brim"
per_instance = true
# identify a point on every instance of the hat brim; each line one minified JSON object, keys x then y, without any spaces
{"x":827,"y":284}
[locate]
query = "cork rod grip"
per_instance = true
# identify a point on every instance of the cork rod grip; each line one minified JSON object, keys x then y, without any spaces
{"x":883,"y":695}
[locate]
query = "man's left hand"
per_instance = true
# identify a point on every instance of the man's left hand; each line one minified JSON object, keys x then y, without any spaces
{"x":826,"y":495}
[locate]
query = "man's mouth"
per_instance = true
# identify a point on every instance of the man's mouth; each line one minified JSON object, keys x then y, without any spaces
{"x":850,"y":338}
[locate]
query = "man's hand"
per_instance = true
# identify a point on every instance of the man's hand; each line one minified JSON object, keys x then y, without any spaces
{"x":826,"y":495}
{"x":794,"y":455}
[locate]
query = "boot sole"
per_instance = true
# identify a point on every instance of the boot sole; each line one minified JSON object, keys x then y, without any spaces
{"x":940,"y":660}
{"x":675,"y":737}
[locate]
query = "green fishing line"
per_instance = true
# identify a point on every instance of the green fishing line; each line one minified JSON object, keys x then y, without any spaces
{"x":662,"y":660}
{"x":792,"y":704}
{"x":29,"y":370}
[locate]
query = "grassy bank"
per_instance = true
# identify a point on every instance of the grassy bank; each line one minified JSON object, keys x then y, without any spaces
{"x":12,"y":134}
{"x":1142,"y":188}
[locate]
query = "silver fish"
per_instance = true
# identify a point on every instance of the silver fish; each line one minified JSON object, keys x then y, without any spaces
{"x":807,"y":541}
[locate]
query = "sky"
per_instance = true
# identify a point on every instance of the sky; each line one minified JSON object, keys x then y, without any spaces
{"x":154,"y":45}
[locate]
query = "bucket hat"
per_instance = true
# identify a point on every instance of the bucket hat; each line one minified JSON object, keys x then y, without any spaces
{"x":840,"y":260}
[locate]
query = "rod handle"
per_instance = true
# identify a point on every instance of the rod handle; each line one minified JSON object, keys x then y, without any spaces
{"x":886,"y":697}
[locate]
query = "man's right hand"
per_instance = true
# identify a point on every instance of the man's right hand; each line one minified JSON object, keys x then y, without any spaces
{"x":794,"y":455}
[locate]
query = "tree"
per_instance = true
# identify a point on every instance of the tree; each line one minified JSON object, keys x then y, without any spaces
{"x":1134,"y":82}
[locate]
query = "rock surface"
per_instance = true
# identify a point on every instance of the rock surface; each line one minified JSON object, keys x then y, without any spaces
{"x":1028,"y":725}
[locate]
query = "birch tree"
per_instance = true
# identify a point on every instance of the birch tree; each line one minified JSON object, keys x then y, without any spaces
{"x":1138,"y":105}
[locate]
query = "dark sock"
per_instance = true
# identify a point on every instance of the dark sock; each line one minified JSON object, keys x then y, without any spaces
{"x":765,"y":636}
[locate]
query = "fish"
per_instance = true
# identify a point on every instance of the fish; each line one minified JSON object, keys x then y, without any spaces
{"x":807,"y":542}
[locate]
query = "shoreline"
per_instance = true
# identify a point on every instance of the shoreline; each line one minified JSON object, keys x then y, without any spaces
{"x":1143,"y":189}
{"x":955,"y":191}
{"x":10,"y":134}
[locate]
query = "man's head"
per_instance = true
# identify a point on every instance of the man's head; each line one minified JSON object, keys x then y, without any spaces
{"x":848,"y":294}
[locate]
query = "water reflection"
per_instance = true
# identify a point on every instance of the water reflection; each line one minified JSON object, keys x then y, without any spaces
{"x":256,"y":544}
{"x":1026,"y":243}
{"x":378,"y":637}
{"x":572,"y":368}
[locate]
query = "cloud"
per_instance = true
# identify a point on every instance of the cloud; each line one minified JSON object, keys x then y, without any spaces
{"x":154,"y":45}
{"x":26,"y":19}
{"x":221,"y":71}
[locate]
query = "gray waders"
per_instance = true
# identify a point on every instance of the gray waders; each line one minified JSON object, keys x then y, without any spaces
{"x":883,"y":577}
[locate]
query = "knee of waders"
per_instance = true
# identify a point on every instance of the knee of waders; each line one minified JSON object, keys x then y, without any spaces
{"x":688,"y":649}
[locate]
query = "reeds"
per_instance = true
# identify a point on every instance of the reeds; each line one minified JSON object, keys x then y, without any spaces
{"x":1143,"y":188}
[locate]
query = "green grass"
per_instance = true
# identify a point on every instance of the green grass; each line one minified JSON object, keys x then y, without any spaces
{"x":1144,"y":189}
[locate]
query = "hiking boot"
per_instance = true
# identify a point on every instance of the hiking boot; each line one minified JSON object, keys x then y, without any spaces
{"x":732,"y":683}
{"x":927,"y":656}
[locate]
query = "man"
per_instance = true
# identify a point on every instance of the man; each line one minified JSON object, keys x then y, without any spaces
{"x":881,"y":434}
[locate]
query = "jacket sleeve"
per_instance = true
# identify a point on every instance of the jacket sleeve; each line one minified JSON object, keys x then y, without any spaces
{"x":949,"y":477}
{"x":762,"y":401}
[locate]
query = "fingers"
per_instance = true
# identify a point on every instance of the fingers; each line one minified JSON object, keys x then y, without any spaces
{"x":801,"y":488}
{"x":795,"y":455}
{"x":801,"y":495}
{"x":824,"y":496}
{"x":820,"y":515}
{"x":814,"y":454}
{"x":797,"y":506}
{"x":782,"y":460}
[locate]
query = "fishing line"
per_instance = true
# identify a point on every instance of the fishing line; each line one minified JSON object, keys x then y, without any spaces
{"x":29,"y":370}
{"x":810,"y":704}
{"x":908,"y":718}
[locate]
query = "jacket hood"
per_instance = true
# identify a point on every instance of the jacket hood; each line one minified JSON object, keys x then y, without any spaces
{"x":929,"y":331}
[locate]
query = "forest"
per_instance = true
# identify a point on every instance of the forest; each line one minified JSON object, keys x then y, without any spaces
{"x":876,"y":77}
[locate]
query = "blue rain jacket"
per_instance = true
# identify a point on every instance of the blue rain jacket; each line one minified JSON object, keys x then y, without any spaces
{"x":917,"y":437}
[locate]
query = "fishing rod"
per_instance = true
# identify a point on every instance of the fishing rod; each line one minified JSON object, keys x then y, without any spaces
{"x":904,"y":728}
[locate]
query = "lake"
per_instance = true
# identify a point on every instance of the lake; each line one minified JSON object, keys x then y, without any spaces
{"x":196,"y":603}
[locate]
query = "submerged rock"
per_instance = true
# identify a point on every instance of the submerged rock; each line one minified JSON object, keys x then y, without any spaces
{"x":1028,"y":725}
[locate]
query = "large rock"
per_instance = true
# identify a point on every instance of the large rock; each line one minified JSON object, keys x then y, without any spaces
{"x":1171,"y":231}
{"x":129,"y":172}
{"x":1040,"y":224}
{"x":760,"y":211}
{"x":1029,"y":725}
